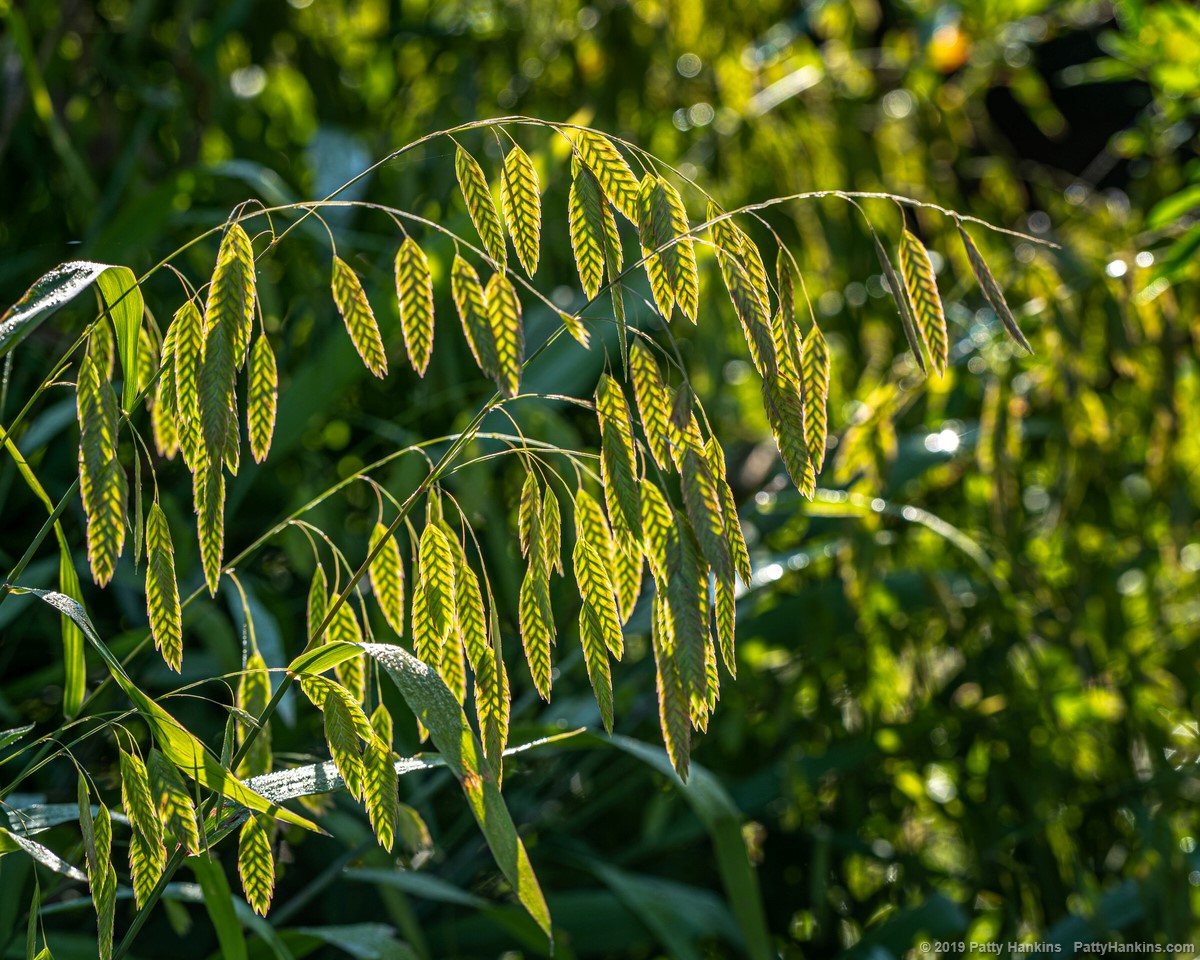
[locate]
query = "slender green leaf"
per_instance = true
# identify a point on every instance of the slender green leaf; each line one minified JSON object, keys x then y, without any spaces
{"x":74,"y":662}
{"x":53,"y":290}
{"x":436,"y":708}
{"x":123,"y":299}
{"x":218,"y":901}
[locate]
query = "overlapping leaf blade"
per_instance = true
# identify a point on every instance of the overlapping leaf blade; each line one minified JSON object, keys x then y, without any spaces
{"x":436,"y":709}
{"x":610,"y":170}
{"x":472,"y":310}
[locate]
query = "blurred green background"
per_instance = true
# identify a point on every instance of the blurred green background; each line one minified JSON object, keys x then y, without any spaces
{"x":967,"y":700}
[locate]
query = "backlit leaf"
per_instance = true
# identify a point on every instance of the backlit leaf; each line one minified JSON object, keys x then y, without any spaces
{"x":472,"y":311}
{"x":537,"y":626}
{"x":162,"y":590}
{"x":586,"y":218}
{"x":382,"y":797}
{"x":651,"y":398}
{"x":261,"y":398}
{"x":253,"y":694}
{"x":414,"y":288}
{"x":74,"y":661}
{"x":256,"y":865}
{"x":147,"y":855}
{"x":481,"y":206}
{"x":926,"y":302}
{"x":174,"y":804}
{"x":653,"y":231}
{"x":231,"y":294}
{"x":209,"y":496}
{"x":814,"y":372}
{"x":521,"y":197}
{"x":508,"y":332}
{"x":610,"y":170}
{"x":387,"y":578}
{"x":179,"y":745}
{"x":122,"y":297}
{"x":435,"y":708}
{"x":358,"y":316}
{"x":50,"y":292}
{"x":618,"y":467}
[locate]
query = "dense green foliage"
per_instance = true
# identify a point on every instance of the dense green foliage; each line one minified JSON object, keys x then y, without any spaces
{"x":966,"y":703}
